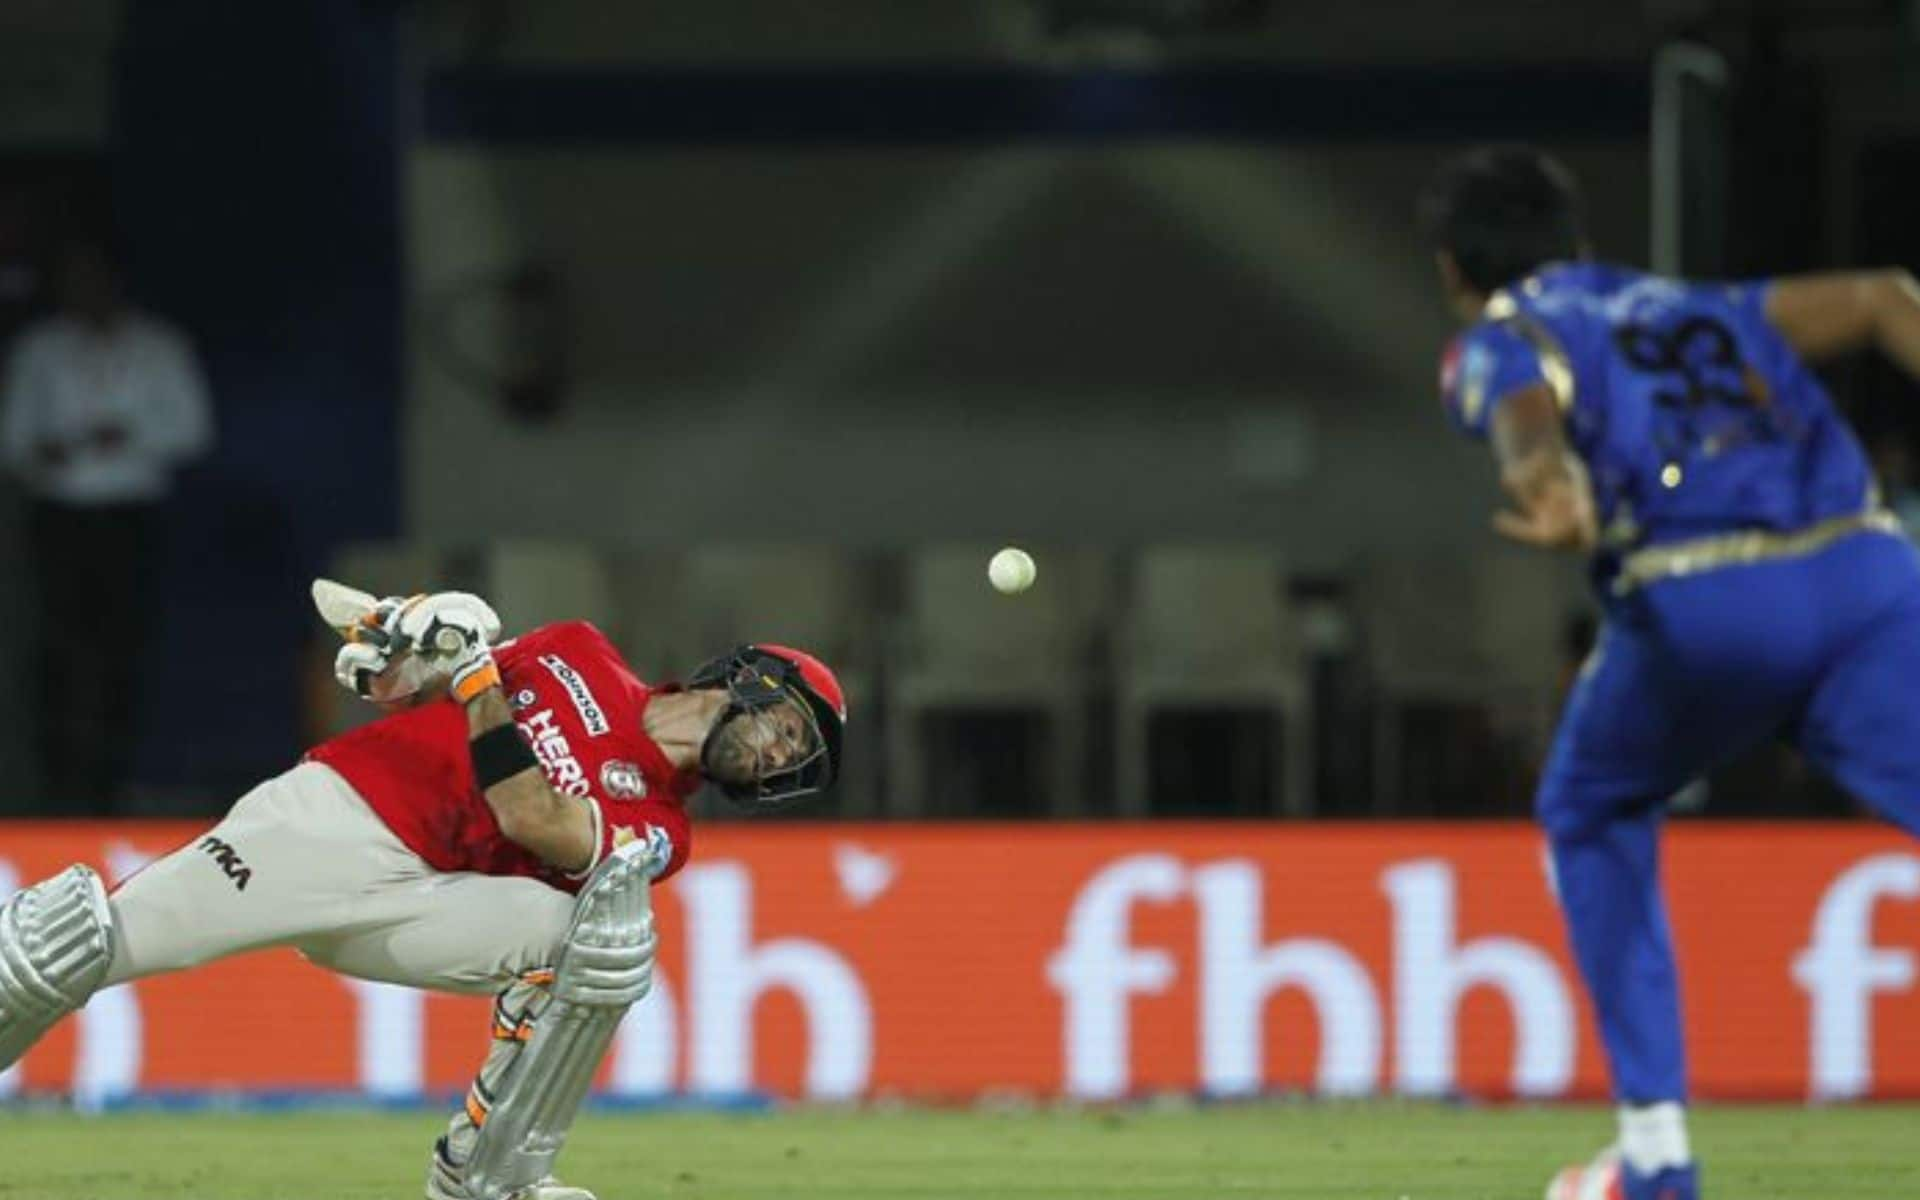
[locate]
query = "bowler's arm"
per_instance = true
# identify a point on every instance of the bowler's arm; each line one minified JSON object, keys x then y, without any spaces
{"x":1831,"y":314}
{"x":557,"y":827}
{"x":1553,"y":499}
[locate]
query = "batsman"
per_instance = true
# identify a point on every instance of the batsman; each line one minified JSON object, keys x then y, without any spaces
{"x":497,"y":832}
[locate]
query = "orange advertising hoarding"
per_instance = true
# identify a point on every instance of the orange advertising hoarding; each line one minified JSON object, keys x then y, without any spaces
{"x":955,"y":961}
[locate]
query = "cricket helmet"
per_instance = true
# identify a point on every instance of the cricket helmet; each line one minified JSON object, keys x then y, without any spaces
{"x":758,"y":676}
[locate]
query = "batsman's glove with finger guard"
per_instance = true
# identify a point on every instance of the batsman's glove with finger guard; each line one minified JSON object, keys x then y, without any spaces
{"x":374,"y":663}
{"x":453,"y":632}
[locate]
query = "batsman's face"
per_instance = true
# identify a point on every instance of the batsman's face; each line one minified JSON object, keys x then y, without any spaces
{"x":754,"y":745}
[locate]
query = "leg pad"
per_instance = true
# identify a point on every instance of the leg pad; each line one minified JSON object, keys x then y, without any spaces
{"x":605,"y":967}
{"x":56,"y":942}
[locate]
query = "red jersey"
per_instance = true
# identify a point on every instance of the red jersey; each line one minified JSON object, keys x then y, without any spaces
{"x":579,"y":706}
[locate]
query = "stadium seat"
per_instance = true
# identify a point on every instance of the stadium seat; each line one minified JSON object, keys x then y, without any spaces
{"x":1466,"y":630}
{"x":648,"y":613}
{"x":962,"y":647}
{"x":537,"y":582}
{"x":1209,"y":626}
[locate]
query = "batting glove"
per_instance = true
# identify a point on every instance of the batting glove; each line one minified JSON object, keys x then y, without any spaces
{"x":365,"y":665}
{"x":454,"y":632}
{"x":384,"y":677}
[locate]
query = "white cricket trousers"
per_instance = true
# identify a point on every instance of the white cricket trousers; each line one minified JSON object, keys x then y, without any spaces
{"x":302,"y":861}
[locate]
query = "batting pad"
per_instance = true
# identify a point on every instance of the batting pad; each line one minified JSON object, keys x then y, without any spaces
{"x":56,"y":942}
{"x":605,"y":967}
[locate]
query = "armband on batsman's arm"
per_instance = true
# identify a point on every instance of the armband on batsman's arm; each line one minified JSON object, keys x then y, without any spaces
{"x":499,"y":754}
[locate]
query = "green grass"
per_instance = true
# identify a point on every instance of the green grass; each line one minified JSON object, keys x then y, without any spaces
{"x":1321,"y":1152}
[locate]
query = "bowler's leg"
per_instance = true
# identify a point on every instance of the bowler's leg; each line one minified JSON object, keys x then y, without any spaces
{"x":1635,"y":731}
{"x":1863,"y":725}
{"x":1608,"y":879}
{"x":1615,"y":758}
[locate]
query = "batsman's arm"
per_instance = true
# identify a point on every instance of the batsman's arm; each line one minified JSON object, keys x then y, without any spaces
{"x":454,"y":631}
{"x":1826,"y":315}
{"x":557,"y":827}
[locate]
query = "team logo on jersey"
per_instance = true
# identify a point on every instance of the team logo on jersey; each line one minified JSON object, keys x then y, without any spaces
{"x":524,"y":698}
{"x":577,"y":690}
{"x":556,"y":757}
{"x":659,"y":844}
{"x":623,"y":780}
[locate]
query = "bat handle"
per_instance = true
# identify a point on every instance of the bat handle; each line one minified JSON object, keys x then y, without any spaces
{"x":449,"y":641}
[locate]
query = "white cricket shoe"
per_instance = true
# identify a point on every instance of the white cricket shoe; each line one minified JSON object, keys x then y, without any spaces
{"x":552,"y":1189}
{"x":1598,"y":1180}
{"x":1608,"y":1177}
{"x":440,"y":1188}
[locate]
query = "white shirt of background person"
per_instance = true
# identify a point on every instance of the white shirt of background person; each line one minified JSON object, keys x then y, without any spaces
{"x":100,"y":401}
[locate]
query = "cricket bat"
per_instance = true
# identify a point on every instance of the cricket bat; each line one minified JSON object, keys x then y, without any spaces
{"x":345,"y":608}
{"x":342,"y":607}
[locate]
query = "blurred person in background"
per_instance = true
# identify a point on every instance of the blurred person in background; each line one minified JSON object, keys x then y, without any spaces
{"x":101,"y":403}
{"x":1752,"y":582}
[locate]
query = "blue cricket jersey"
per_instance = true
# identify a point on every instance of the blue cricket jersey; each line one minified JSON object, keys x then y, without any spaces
{"x":1693,"y":414}
{"x":1752,"y":591}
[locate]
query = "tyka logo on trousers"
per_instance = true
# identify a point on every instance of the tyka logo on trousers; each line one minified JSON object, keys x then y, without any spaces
{"x":229,"y":861}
